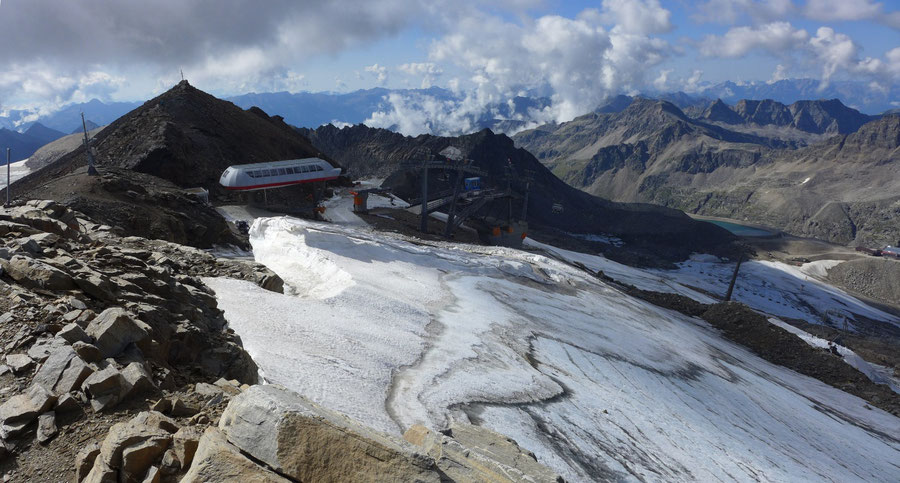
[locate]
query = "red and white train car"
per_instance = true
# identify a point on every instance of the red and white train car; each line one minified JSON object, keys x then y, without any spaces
{"x":277,"y":174}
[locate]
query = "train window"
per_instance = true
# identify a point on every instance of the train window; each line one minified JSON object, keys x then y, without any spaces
{"x":318,"y":168}
{"x":289,"y":170}
{"x":305,"y":169}
{"x":281,"y":172}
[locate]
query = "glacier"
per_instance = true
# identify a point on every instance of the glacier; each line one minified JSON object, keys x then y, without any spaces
{"x":395,"y":331}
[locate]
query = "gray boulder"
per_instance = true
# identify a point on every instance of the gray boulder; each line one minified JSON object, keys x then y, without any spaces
{"x":114,"y":329}
{"x":88,"y":352}
{"x":472,"y":453}
{"x":19,"y":363}
{"x":72,"y":378}
{"x":73,"y":333}
{"x":33,"y":273}
{"x":307,"y":442}
{"x":20,"y":410}
{"x":131,"y":447}
{"x":54,"y":366}
{"x":218,"y":460}
{"x":46,"y":429}
{"x":105,"y":388}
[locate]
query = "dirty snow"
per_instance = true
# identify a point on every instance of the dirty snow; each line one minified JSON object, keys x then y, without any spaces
{"x":878,"y":374}
{"x":17,"y":171}
{"x":599,"y":385}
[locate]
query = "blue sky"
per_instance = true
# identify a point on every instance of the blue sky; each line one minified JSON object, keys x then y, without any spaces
{"x":575,"y":51}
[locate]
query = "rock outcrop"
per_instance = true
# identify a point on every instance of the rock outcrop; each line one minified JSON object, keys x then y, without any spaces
{"x":92,"y":321}
{"x":268,"y":433}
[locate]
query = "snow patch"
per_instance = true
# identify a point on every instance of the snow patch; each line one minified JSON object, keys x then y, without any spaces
{"x":878,"y":374}
{"x":597,"y":384}
{"x":306,"y":271}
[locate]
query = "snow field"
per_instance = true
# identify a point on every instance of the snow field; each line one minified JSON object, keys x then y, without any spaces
{"x":599,"y":385}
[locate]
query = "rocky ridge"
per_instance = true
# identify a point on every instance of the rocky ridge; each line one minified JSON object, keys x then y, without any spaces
{"x":654,"y":233}
{"x":93,"y":322}
{"x":841,"y":188}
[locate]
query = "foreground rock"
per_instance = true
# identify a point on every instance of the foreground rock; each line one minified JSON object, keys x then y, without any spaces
{"x":302,"y":441}
{"x":92,"y":322}
{"x":470,"y":453}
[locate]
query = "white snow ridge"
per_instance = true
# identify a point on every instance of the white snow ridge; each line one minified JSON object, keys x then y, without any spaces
{"x":597,"y":384}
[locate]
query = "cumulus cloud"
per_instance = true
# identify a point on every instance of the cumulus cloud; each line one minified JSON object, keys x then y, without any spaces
{"x":730,"y":12}
{"x":428,"y":71}
{"x":834,"y":50}
{"x":830,"y":52}
{"x":850,"y":10}
{"x":577,"y":62}
{"x":831,"y":10}
{"x":226,"y":46}
{"x":380,"y":73}
{"x":775,"y":37}
{"x":641,"y":17}
{"x":779,"y":74}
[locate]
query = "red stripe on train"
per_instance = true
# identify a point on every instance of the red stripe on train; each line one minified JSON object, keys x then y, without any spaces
{"x":272,"y":185}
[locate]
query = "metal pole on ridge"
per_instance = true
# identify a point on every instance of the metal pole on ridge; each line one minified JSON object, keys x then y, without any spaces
{"x":7,"y":177}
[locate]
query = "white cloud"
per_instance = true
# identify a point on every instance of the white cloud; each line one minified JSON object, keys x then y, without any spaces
{"x":428,"y":71}
{"x":692,"y":84}
{"x":831,"y":10}
{"x":834,"y":51}
{"x":379,"y":72}
{"x":779,"y":74}
{"x":577,"y":62}
{"x":38,"y":80}
{"x":638,"y":16}
{"x":661,"y":83}
{"x":730,"y":12}
{"x":775,"y":37}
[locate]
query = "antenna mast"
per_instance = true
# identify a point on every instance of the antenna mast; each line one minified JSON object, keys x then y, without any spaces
{"x":92,"y":171}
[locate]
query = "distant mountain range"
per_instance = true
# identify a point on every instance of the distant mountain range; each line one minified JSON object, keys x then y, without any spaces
{"x":23,"y":145}
{"x":813,"y":168}
{"x":852,"y":93}
{"x":313,"y":109}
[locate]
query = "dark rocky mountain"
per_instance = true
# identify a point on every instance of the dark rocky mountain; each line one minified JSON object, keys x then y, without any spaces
{"x":180,"y":139}
{"x":43,"y":134}
{"x":189,"y":137}
{"x":23,"y":145}
{"x":718,"y":111}
{"x":378,"y":152}
{"x":820,"y":117}
{"x":611,"y":155}
{"x":91,"y":125}
{"x":857,"y":94}
{"x":615,"y":104}
{"x":841,"y":188}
